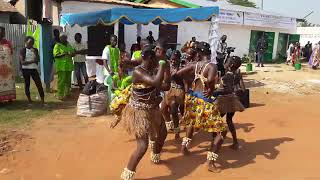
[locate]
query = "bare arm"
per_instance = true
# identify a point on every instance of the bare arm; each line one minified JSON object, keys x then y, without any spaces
{"x":155,"y":81}
{"x":184,"y":72}
{"x":131,"y":63}
{"x":165,"y":86}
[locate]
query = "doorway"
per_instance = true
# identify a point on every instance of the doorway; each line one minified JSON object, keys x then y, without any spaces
{"x":255,"y":36}
{"x":169,"y":33}
{"x":98,"y":38}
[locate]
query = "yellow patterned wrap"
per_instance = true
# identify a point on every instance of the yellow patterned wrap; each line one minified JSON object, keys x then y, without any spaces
{"x":203,"y":115}
{"x":120,"y":101}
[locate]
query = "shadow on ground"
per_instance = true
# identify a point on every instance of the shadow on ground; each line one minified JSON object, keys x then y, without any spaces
{"x":182,"y":166}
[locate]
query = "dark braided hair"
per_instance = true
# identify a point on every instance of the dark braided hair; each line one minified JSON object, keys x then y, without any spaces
{"x":148,"y":52}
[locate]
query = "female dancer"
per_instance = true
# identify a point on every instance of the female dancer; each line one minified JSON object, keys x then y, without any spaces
{"x":228,"y":102}
{"x":174,"y":98}
{"x":200,"y":111}
{"x":142,"y":117}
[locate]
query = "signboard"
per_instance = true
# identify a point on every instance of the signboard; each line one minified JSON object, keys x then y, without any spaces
{"x":262,"y":20}
{"x":230,"y":17}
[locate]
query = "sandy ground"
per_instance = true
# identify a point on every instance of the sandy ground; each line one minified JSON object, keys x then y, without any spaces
{"x":277,"y":135}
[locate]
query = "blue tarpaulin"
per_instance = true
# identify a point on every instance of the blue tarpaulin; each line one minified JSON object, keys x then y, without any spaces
{"x":140,"y":16}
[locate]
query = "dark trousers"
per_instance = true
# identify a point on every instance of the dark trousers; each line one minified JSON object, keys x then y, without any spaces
{"x":81,"y":69}
{"x":27,"y":73}
{"x":220,"y":64}
{"x":260,"y":58}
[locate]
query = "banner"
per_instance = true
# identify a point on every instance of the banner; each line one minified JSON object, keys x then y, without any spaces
{"x":230,"y":17}
{"x":262,"y":20}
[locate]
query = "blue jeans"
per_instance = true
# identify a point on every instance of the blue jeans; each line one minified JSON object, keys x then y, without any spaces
{"x":81,"y":69}
{"x":260,"y":58}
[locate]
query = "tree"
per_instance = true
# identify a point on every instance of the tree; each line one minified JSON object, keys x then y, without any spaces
{"x":245,"y":3}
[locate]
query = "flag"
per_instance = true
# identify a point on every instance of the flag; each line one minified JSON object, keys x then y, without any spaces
{"x":29,"y":29}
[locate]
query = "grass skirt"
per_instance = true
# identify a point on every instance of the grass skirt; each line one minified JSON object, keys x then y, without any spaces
{"x":141,"y":119}
{"x":202,"y":113}
{"x":229,"y":103}
{"x":175,"y":94}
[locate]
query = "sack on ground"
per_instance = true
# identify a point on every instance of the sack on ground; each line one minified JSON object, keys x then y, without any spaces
{"x":92,"y":105}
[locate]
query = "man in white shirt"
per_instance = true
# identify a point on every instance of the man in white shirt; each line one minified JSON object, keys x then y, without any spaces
{"x":104,"y":66}
{"x":80,"y":59}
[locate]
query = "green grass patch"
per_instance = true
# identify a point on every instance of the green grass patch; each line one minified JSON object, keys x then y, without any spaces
{"x":19,"y":113}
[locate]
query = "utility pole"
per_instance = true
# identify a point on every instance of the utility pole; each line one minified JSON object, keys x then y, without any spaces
{"x":262,"y":3}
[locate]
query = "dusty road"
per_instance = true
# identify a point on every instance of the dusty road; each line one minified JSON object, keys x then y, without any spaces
{"x":278,"y":134}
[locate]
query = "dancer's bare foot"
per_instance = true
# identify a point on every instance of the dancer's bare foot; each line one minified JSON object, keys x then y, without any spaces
{"x":212,"y":167}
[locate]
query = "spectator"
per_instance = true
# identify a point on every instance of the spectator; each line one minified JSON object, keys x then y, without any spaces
{"x":29,"y":59}
{"x":80,"y":59}
{"x":151,"y":38}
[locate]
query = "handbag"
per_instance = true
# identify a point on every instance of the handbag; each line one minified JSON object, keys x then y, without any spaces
{"x":244,"y":97}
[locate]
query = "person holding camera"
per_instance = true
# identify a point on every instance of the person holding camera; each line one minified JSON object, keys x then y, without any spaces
{"x":221,"y":54}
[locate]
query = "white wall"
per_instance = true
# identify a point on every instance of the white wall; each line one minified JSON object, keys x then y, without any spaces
{"x":311,"y":34}
{"x":238,"y":35}
{"x":71,"y":31}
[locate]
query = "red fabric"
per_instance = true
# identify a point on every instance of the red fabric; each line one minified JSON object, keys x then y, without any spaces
{"x":8,"y":97}
{"x":8,"y":43}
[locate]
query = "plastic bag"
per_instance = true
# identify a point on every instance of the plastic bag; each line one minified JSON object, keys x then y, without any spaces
{"x":92,"y":105}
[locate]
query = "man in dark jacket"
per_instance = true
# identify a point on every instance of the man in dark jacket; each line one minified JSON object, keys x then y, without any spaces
{"x":262,"y":46}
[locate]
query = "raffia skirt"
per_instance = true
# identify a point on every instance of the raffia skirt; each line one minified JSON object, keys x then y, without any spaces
{"x":229,"y":104}
{"x":175,"y":94}
{"x":201,"y":113}
{"x":141,"y":119}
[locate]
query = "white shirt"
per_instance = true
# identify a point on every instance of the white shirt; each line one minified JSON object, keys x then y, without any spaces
{"x":101,"y":72}
{"x":79,"y":47}
{"x":30,"y":56}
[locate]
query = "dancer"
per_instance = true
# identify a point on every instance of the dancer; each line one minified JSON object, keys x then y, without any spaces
{"x":296,"y":53}
{"x":174,"y":98}
{"x":142,"y":117}
{"x":200,"y":110}
{"x":228,"y":102}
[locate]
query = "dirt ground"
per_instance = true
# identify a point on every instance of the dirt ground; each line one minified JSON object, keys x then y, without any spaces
{"x":277,"y":136}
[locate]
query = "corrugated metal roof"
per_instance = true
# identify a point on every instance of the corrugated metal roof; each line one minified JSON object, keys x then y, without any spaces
{"x":6,"y":7}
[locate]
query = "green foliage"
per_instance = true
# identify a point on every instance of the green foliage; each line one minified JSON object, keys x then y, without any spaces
{"x":18,"y":113}
{"x":245,"y":3}
{"x":248,"y":58}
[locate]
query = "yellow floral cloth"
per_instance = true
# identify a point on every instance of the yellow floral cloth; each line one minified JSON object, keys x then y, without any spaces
{"x":203,"y":114}
{"x":120,"y":101}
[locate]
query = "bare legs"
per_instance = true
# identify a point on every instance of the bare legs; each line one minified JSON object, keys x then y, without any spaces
{"x":187,"y":140}
{"x":170,"y":114}
{"x":174,"y":110}
{"x":212,"y":155}
{"x":232,"y":130}
{"x":142,"y":146}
